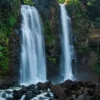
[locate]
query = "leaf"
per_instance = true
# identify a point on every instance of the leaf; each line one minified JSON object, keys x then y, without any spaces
{"x":12,"y":21}
{"x":89,"y":4}
{"x":7,"y":41}
{"x":1,"y":48}
{"x":1,"y":54}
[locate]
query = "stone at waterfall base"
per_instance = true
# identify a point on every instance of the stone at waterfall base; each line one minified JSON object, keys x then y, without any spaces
{"x":68,"y":90}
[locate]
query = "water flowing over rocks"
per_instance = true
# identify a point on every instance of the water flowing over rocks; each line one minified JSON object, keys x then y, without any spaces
{"x":68,"y":90}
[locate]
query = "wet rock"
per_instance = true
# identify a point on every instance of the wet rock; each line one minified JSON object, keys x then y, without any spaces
{"x":58,"y":91}
{"x":90,"y":92}
{"x":67,"y":92}
{"x":29,"y":95}
{"x":90,"y":85}
{"x":10,"y":99}
{"x":83,"y":97}
{"x":4,"y":86}
{"x":66,"y":84}
{"x":43,"y":86}
{"x":97,"y":85}
{"x":18,"y":94}
{"x":36,"y":91}
{"x":32,"y":86}
{"x":81,"y":84}
{"x":24,"y":89}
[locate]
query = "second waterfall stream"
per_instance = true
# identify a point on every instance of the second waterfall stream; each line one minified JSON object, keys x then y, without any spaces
{"x":66,"y":63}
{"x":33,"y":64}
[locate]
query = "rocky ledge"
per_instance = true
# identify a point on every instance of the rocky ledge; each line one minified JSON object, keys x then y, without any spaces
{"x":68,"y":90}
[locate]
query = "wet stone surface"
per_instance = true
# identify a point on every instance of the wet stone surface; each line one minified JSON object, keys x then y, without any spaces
{"x":68,"y":90}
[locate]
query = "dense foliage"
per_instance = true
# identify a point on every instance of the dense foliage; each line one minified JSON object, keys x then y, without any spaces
{"x":85,"y":17}
{"x":28,"y":2}
{"x":9,"y":12}
{"x":61,"y":1}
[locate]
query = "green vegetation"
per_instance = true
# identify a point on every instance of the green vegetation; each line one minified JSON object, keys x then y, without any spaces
{"x":84,"y":13}
{"x":85,"y":17}
{"x":84,"y":50}
{"x":9,"y":14}
{"x":47,"y":30}
{"x":49,"y":40}
{"x":52,"y":59}
{"x":28,"y":2}
{"x":61,"y":1}
{"x":80,"y":19}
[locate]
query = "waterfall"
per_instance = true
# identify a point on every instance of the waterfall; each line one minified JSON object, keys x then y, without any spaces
{"x":33,"y":65}
{"x":66,"y":66}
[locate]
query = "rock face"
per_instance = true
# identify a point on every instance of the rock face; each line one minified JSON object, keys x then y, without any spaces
{"x":68,"y":90}
{"x":58,"y":92}
{"x":94,"y":37}
{"x":15,"y":55}
{"x":49,"y":12}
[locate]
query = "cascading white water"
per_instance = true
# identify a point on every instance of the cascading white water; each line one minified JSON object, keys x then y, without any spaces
{"x":33,"y":65}
{"x":66,"y":47}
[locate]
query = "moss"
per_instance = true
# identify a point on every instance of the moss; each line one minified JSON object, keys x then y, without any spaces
{"x":53,"y":60}
{"x":49,"y":39}
{"x":8,"y":22}
{"x":48,"y":32}
{"x":28,"y":2}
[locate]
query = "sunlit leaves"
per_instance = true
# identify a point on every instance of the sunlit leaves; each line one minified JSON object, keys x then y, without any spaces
{"x":1,"y":53}
{"x":61,"y":1}
{"x":89,"y":4}
{"x":28,"y":2}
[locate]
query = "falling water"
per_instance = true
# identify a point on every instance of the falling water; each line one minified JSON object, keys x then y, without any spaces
{"x":33,"y":66}
{"x":66,"y":47}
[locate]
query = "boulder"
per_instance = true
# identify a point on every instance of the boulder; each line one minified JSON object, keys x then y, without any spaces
{"x":58,"y":91}
{"x":32,"y":86}
{"x":43,"y":86}
{"x":90,"y":85}
{"x":36,"y":92}
{"x":29,"y":95}
{"x":18,"y":94}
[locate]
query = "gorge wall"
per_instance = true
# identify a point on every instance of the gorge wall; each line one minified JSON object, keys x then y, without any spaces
{"x":84,"y":21}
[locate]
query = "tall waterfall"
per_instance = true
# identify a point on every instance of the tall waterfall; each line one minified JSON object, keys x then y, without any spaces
{"x":33,"y":65}
{"x":66,"y":47}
